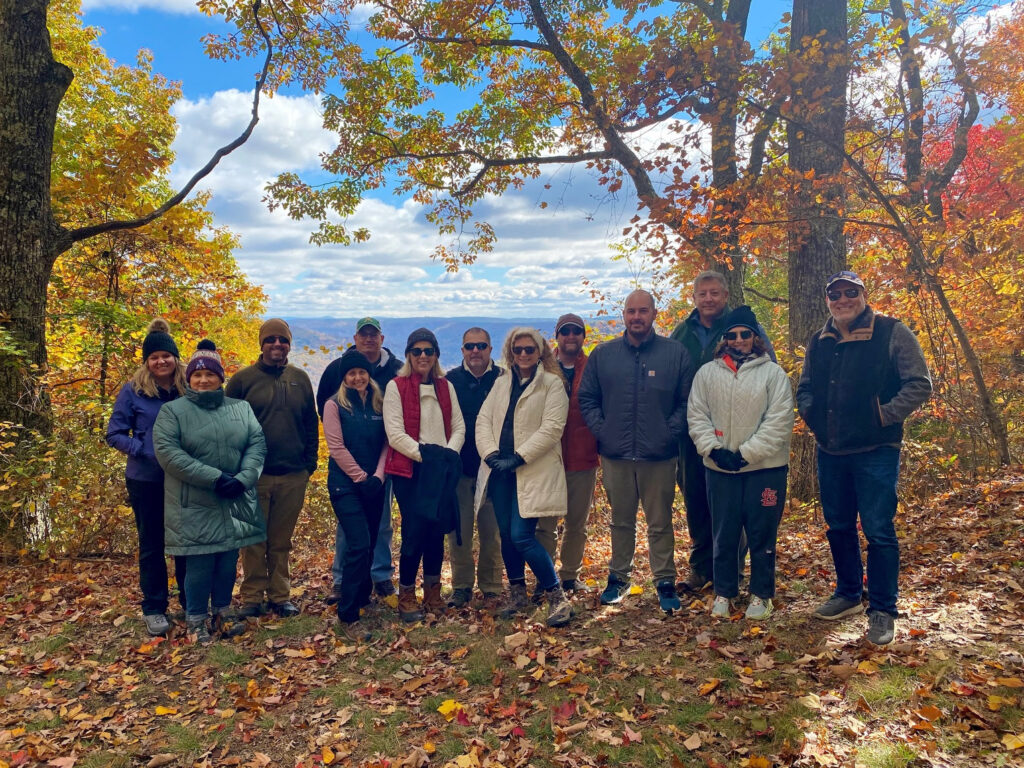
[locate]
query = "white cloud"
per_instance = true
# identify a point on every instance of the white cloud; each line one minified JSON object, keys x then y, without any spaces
{"x":134,"y":6}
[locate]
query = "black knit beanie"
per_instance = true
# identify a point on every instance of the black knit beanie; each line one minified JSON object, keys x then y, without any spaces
{"x":743,"y":316}
{"x":354,"y":359}
{"x":422,"y":334}
{"x":158,"y":339}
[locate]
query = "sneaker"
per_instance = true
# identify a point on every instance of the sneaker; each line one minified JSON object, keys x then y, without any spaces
{"x":156,"y":623}
{"x":251,"y":610}
{"x":335,"y":597}
{"x":667,"y":597}
{"x":881,"y":628}
{"x":759,"y":609}
{"x":577,"y":586}
{"x":721,"y":609}
{"x":460,"y":597}
{"x":836,"y":608}
{"x":384,"y":588}
{"x":614,"y":592}
{"x":695,"y":582}
{"x":285,"y":610}
{"x":354,"y":631}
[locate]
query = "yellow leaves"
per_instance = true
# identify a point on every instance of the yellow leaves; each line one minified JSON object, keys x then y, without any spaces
{"x":162,"y":710}
{"x":299,"y":653}
{"x":710,"y":685}
{"x":449,"y":709}
{"x":1010,"y":682}
{"x":636,"y":589}
{"x":867,"y":667}
{"x":1013,"y":741}
{"x":755,"y":761}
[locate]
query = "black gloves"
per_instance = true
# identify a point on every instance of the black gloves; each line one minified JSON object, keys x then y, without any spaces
{"x":228,"y":486}
{"x":507,"y":463}
{"x":730,"y":461}
{"x":370,"y":488}
{"x":491,"y":460}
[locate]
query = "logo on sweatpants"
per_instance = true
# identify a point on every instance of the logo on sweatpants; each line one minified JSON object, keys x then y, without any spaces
{"x":769,"y":497}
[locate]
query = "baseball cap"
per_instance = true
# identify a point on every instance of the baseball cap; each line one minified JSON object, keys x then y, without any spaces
{"x":570,"y":319}
{"x":844,"y":276}
{"x":365,"y":321}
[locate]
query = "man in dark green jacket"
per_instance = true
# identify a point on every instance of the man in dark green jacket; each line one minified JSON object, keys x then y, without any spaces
{"x":281,"y":396}
{"x":700,"y":333}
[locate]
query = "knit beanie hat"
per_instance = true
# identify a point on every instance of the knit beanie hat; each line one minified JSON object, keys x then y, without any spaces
{"x":422,"y":334}
{"x":743,"y":316}
{"x":275,"y":326}
{"x":158,"y":339}
{"x":205,"y":358}
{"x":354,"y":359}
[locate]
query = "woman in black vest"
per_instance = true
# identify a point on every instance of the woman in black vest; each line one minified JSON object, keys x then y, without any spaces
{"x":354,"y":429}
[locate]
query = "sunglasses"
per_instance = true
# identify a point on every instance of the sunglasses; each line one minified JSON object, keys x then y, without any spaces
{"x":469,"y":346}
{"x":733,"y":335}
{"x":277,"y":340}
{"x":850,"y":293}
{"x":417,"y":351}
{"x":570,"y":330}
{"x":523,"y":350}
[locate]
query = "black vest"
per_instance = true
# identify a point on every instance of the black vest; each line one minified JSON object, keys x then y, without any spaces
{"x":849,"y":383}
{"x":363,"y":431}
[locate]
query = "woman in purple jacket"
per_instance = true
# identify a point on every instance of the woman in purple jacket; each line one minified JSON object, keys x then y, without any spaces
{"x":159,"y":379}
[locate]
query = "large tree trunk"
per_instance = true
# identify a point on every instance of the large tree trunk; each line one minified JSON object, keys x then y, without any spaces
{"x":817,"y":247}
{"x":32,"y":85}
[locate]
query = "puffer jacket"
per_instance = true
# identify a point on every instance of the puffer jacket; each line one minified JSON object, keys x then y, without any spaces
{"x":749,"y":410}
{"x":197,"y":437}
{"x":130,"y":430}
{"x":537,"y":436}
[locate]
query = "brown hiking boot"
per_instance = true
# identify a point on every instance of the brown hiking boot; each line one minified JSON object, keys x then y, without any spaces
{"x":518,"y":601}
{"x":408,"y":607}
{"x":432,"y":602}
{"x":559,"y":608}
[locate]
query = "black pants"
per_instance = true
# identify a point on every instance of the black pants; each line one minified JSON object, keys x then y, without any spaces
{"x":359,"y":518}
{"x":422,"y":540}
{"x":147,"y":500}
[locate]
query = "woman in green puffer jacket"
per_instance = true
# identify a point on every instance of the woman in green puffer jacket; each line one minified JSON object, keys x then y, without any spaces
{"x":211,"y":449}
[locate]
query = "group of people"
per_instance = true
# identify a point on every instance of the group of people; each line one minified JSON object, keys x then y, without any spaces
{"x":504,"y":454}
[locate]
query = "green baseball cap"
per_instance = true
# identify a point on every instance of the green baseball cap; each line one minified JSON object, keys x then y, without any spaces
{"x":363,"y":322}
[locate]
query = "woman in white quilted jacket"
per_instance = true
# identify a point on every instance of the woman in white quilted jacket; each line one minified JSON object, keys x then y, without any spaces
{"x":740,"y":415}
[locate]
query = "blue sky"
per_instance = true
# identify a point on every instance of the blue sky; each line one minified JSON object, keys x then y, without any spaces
{"x":537,"y":268}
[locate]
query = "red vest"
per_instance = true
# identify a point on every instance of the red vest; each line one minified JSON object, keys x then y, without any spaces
{"x":409,"y":390}
{"x":579,"y":447}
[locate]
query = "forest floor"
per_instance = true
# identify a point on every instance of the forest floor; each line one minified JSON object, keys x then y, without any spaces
{"x":82,"y":685}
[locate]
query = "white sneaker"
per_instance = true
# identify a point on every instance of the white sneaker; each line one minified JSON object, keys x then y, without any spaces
{"x":759,"y":609}
{"x":721,"y":609}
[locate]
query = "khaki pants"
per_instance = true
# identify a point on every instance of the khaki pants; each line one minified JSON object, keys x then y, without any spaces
{"x":629,"y":484}
{"x":489,"y":566}
{"x":265,"y":565}
{"x":580,"y":487}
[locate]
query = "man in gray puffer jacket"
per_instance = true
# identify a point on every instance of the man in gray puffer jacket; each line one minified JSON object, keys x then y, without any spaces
{"x":633,"y":398}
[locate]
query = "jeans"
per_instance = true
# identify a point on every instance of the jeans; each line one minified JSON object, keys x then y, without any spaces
{"x":209,"y":580}
{"x":519,"y":544}
{"x":422,"y":540}
{"x":147,"y":500}
{"x":864,"y":484}
{"x":381,"y":569}
{"x":360,"y":519}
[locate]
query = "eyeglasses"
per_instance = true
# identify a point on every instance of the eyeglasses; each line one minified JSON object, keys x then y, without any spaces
{"x":523,"y":350}
{"x":417,"y":351}
{"x":850,"y":293}
{"x":277,"y":340}
{"x":733,"y":335}
{"x":570,"y":330}
{"x":469,"y":346}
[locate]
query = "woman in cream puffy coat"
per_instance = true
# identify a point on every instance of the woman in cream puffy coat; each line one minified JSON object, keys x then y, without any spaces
{"x":740,"y":414}
{"x":519,"y":436}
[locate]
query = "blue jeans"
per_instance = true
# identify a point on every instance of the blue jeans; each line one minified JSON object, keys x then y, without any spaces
{"x":209,"y":579}
{"x":381,"y":568}
{"x":864,"y":484}
{"x":519,"y":544}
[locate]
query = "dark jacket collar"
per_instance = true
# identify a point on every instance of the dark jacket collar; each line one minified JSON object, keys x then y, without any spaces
{"x":273,"y":370}
{"x":208,"y":400}
{"x":643,"y":345}
{"x":861,"y":329}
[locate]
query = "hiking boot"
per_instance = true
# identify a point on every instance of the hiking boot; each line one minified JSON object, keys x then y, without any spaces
{"x":881,"y":628}
{"x":518,"y":602}
{"x":251,"y":610}
{"x":614,"y":592}
{"x":354,"y":631}
{"x":720,"y":609}
{"x":384,"y":588}
{"x":226,"y":624}
{"x":577,"y":586}
{"x":197,"y":630}
{"x":285,"y":610}
{"x":408,"y":606}
{"x":695,"y":582}
{"x":432,"y":601}
{"x":836,"y":608}
{"x":335,"y":597}
{"x":460,"y":597}
{"x":156,"y":623}
{"x":759,"y":609}
{"x":537,"y":598}
{"x":559,"y":608}
{"x":491,"y":601}
{"x":668,"y":600}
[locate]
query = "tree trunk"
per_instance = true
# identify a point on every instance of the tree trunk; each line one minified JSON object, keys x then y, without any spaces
{"x":817,"y":247}
{"x":32,"y":85}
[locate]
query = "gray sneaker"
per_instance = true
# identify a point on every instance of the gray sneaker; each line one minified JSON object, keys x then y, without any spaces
{"x":156,"y":624}
{"x":881,"y":628}
{"x":836,"y":608}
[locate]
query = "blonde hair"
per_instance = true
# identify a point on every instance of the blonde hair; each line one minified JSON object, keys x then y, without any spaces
{"x":376,"y":400}
{"x":547,"y":357}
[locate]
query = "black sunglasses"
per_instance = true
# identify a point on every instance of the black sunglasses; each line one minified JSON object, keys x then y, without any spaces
{"x":523,"y":350}
{"x":570,"y":330}
{"x":417,"y":351}
{"x":469,"y":346}
{"x":850,"y":293}
{"x":733,"y":335}
{"x":277,"y":340}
